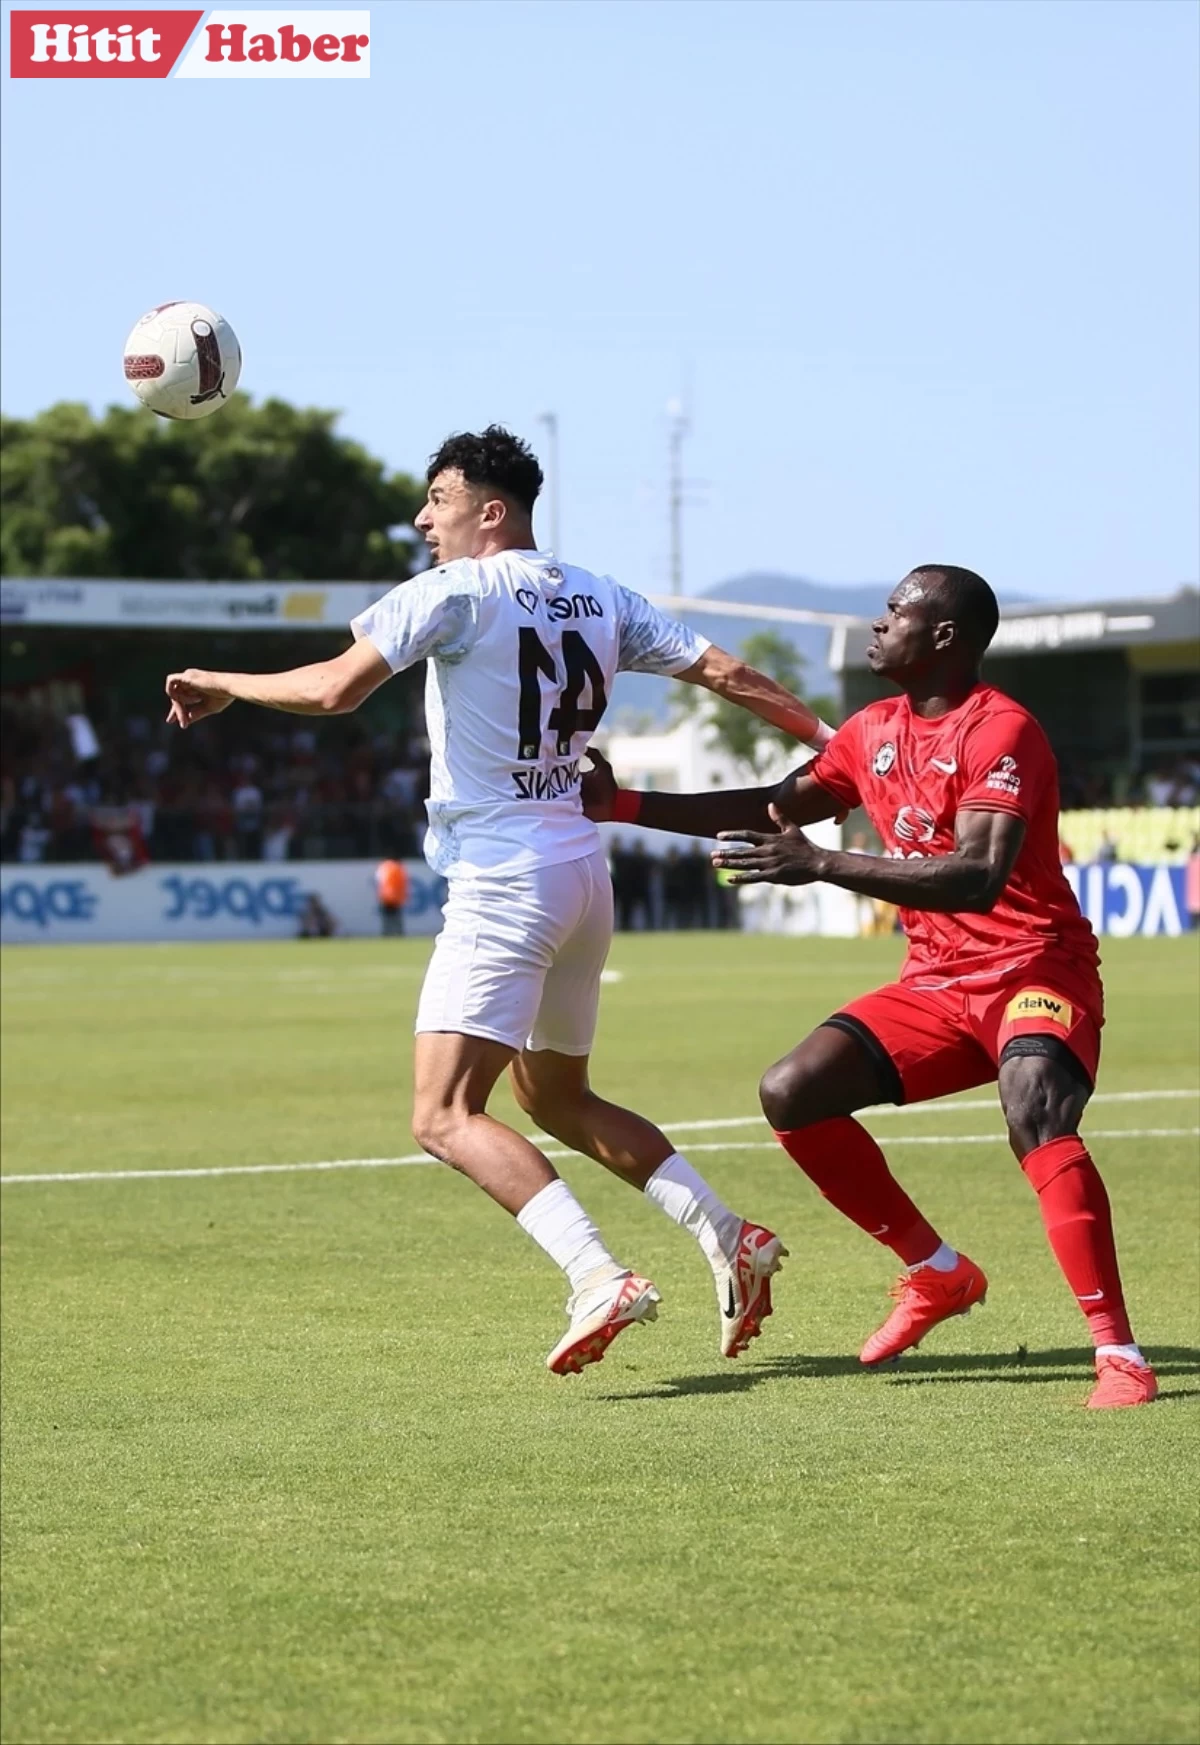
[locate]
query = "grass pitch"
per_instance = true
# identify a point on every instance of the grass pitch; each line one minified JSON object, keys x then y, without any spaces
{"x":282,"y":1462}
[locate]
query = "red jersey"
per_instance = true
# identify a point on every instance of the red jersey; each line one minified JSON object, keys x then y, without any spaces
{"x":914,"y":776}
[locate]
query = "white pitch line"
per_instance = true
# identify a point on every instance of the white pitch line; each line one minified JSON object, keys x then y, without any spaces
{"x":961,"y":1139}
{"x":934,"y":1108}
{"x":417,"y":1158}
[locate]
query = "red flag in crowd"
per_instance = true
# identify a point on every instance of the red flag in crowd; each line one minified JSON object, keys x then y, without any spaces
{"x":117,"y":833}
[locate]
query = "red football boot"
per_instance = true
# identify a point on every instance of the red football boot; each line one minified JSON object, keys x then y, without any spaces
{"x":923,"y":1298}
{"x":1122,"y":1383}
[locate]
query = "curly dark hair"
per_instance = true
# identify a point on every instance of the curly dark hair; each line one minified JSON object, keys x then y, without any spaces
{"x":496,"y":458}
{"x":966,"y":599}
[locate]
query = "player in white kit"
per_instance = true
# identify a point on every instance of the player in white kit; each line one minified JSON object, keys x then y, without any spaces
{"x":522,"y":650}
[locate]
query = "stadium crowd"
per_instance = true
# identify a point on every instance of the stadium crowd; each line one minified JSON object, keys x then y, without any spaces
{"x":254,"y":788}
{"x":677,"y":890}
{"x":1170,"y":783}
{"x":245,"y":789}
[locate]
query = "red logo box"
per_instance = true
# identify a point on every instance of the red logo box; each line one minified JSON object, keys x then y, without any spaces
{"x":98,"y":45}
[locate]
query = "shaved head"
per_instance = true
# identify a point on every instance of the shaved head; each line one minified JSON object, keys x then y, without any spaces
{"x":962,"y":597}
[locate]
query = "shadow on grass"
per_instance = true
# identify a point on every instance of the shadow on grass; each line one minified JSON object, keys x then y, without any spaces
{"x":915,"y":1370}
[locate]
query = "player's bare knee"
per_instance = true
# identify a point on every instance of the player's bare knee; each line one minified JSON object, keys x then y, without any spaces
{"x":1029,"y":1113}
{"x":553,"y":1119}
{"x":1043,"y":1098}
{"x":526,"y":1095}
{"x":543,"y":1106}
{"x":425,"y":1132}
{"x":781,"y":1092}
{"x":433,"y":1128}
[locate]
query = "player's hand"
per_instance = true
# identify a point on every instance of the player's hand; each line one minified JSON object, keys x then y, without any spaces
{"x":194,"y":695}
{"x":786,"y":859}
{"x":598,"y":787}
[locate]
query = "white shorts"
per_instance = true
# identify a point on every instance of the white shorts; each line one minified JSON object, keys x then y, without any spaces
{"x":519,"y":957}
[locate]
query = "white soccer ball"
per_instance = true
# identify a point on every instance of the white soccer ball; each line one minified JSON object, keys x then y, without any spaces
{"x":182,"y":360}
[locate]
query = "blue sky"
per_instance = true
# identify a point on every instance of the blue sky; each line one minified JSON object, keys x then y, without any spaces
{"x":929,"y":271}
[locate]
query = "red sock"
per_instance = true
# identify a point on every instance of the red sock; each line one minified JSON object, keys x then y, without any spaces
{"x":1078,"y":1221}
{"x":842,"y":1159}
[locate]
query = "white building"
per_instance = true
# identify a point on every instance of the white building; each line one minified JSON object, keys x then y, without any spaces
{"x":685,"y":760}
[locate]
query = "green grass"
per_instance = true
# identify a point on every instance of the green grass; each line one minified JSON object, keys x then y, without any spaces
{"x":282,"y":1462}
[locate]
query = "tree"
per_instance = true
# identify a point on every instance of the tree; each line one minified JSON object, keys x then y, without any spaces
{"x":255,"y":493}
{"x":748,"y":740}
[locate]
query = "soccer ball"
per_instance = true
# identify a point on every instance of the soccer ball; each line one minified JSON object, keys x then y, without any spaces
{"x":183,"y":360}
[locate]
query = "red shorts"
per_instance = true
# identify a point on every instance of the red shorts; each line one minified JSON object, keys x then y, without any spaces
{"x":940,"y":1037}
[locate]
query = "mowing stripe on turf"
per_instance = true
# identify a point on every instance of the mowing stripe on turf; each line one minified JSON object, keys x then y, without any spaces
{"x":417,"y":1158}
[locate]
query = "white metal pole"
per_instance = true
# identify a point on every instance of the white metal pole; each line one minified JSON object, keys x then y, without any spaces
{"x":677,"y":430}
{"x":550,"y":420}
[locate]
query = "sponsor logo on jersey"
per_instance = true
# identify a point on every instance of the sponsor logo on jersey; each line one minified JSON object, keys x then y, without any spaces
{"x":1004,"y":777}
{"x":914,"y":824}
{"x":546,"y":784}
{"x":1038,"y":1003}
{"x":884,"y":758}
{"x":562,"y":606}
{"x":575,"y":606}
{"x":947,"y":765}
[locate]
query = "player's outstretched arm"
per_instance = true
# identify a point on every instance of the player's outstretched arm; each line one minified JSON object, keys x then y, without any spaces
{"x":328,"y":687}
{"x":744,"y":685}
{"x":970,"y":879}
{"x":797,"y":797}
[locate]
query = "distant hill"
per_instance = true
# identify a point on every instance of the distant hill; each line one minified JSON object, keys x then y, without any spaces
{"x":766,"y":588}
{"x":635,"y":695}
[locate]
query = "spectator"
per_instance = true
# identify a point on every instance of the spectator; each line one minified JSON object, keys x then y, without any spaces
{"x":316,"y":922}
{"x":630,"y":869}
{"x":729,"y":910}
{"x":247,"y":819}
{"x":234,"y":791}
{"x":1107,"y":850}
{"x":400,"y":787}
{"x":277,"y":837}
{"x":696,"y":880}
{"x":34,"y":838}
{"x":391,"y":890}
{"x":1187,"y":782}
{"x":675,"y":903}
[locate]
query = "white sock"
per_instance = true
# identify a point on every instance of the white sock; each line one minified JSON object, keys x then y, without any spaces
{"x":1132,"y":1353}
{"x":943,"y":1259}
{"x":688,"y":1201}
{"x":560,"y":1226}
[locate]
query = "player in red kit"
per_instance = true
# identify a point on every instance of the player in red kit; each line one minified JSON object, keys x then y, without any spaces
{"x":1001,"y":981}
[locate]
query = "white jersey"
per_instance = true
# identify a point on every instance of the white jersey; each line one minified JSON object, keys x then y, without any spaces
{"x":522,"y":653}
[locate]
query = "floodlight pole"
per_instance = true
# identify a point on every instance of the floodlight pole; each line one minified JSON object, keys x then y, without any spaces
{"x":550,"y":420}
{"x":677,"y":429}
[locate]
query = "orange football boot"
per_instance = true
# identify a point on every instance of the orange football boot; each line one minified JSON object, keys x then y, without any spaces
{"x":1122,"y":1383}
{"x":923,"y":1298}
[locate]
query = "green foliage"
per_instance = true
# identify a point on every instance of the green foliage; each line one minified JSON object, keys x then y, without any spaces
{"x":282,"y":1461}
{"x":257,"y":493}
{"x":749,"y":741}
